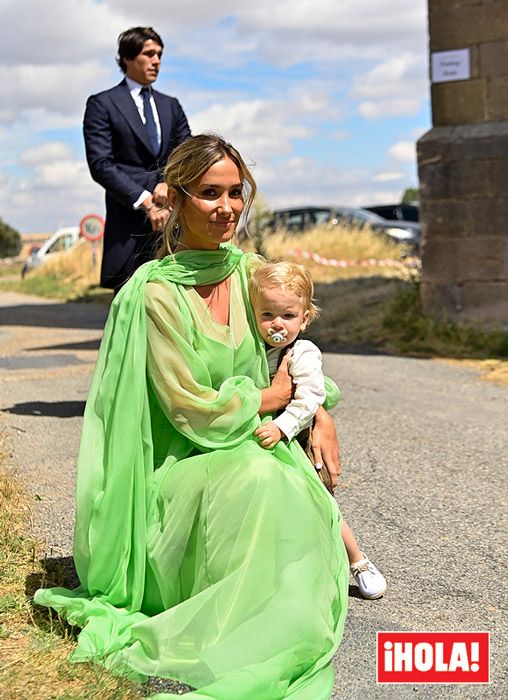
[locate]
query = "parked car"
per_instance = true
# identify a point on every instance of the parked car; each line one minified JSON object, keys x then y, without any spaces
{"x":302,"y":218}
{"x":62,"y":239}
{"x":401,"y":212}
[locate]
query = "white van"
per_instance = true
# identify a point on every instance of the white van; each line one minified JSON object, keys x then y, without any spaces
{"x":62,"y":239}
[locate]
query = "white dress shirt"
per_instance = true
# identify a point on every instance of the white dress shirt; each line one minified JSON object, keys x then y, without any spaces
{"x":135,"y":91}
{"x":305,"y":367}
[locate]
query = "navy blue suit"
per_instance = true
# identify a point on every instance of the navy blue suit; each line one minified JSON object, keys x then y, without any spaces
{"x":121,"y":159}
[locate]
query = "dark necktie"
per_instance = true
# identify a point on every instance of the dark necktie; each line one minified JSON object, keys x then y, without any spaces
{"x":149,"y":120}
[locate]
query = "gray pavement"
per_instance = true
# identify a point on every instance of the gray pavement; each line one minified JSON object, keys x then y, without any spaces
{"x":424,"y":448}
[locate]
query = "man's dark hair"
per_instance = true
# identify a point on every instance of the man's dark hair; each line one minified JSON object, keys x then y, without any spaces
{"x":130,"y":43}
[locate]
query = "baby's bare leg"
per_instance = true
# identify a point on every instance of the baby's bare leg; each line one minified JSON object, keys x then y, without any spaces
{"x":353,"y":550}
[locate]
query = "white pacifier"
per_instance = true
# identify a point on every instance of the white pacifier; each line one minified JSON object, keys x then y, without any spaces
{"x":277,"y":336}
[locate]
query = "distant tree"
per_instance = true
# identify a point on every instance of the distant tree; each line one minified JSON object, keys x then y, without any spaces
{"x":411,"y":195}
{"x":10,"y":240}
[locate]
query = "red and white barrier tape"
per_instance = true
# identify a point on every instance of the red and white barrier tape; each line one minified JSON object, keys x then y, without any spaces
{"x":369,"y":262}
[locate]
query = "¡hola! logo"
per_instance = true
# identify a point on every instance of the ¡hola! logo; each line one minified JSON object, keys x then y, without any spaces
{"x":432,"y":657}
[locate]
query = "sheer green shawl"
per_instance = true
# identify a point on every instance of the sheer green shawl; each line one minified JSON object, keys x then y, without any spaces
{"x":116,"y":452}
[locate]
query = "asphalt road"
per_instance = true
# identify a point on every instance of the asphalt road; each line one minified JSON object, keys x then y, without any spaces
{"x":425,"y":457}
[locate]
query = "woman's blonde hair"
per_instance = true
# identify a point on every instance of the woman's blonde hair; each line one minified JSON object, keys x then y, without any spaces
{"x":289,"y":277}
{"x":189,"y":161}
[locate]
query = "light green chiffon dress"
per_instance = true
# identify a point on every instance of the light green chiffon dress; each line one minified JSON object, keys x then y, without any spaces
{"x":202,"y":556}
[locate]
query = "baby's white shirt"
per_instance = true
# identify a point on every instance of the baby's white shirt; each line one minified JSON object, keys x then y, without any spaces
{"x":305,"y":367}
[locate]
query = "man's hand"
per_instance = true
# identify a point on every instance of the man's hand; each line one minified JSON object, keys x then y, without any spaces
{"x":160,"y":195}
{"x":325,"y":446}
{"x":269,"y":435}
{"x":157,"y":216}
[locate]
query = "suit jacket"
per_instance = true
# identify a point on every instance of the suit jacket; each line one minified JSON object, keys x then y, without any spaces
{"x":121,"y":159}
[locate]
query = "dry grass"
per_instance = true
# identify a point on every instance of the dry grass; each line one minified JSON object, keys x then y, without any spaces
{"x":68,"y":274}
{"x":337,"y":243}
{"x":33,"y":644}
{"x":77,"y":268}
{"x":379,"y":307}
{"x":491,"y":370}
{"x":363,"y":303}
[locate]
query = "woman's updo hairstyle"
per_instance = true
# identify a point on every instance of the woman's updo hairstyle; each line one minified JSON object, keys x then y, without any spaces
{"x":189,"y":161}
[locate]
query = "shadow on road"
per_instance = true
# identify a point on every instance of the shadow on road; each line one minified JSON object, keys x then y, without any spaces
{"x":58,"y":409}
{"x":59,"y":315}
{"x":84,"y":345}
{"x":56,"y":571}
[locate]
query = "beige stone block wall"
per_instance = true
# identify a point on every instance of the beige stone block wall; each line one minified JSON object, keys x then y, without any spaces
{"x":493,"y":58}
{"x":454,"y":25}
{"x":463,"y":174}
{"x":463,"y":168}
{"x":461,"y":102}
{"x":482,"y":27}
{"x":497,"y":99}
{"x":480,"y":303}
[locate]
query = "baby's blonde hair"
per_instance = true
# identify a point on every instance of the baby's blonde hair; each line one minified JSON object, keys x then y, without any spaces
{"x":289,"y":277}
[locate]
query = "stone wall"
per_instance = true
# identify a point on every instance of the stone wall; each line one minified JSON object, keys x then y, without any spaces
{"x":463,"y":168}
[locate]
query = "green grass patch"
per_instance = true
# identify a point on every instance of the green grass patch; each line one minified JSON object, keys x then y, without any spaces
{"x":385,"y":314}
{"x":409,"y":330}
{"x":49,"y":285}
{"x":54,"y":287}
{"x":8,"y":268}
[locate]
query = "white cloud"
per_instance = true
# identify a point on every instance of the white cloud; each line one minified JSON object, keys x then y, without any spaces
{"x":274,"y":78}
{"x":394,"y":87}
{"x":55,"y":190}
{"x":418,"y":131}
{"x":305,"y":182}
{"x":49,"y":151}
{"x":390,"y":176}
{"x":371,"y":197}
{"x":70,"y":174}
{"x":57,"y":89}
{"x":403,"y":151}
{"x":283,"y":33}
{"x":259,"y":128}
{"x":60,"y":31}
{"x":386,"y":79}
{"x":397,"y":107}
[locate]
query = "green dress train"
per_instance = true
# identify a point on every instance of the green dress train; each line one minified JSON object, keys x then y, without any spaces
{"x":202,"y":556}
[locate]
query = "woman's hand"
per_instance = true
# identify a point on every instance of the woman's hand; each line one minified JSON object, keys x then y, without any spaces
{"x":280,"y":392}
{"x":325,"y":446}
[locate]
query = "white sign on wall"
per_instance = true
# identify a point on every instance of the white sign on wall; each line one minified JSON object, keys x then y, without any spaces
{"x":450,"y":65}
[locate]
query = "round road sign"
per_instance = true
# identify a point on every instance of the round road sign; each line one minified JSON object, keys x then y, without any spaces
{"x":91,"y":227}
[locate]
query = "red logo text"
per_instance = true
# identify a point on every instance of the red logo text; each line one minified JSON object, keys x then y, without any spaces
{"x":432,"y":657}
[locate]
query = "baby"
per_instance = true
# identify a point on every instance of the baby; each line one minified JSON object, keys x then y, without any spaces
{"x":281,"y":295}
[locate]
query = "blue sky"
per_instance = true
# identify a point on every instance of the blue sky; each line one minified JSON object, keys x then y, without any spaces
{"x":325,"y":98}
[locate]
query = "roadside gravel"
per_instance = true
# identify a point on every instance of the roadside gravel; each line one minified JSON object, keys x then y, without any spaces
{"x":425,"y":457}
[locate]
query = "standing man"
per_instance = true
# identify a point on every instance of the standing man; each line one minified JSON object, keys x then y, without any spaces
{"x":129,"y":131}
